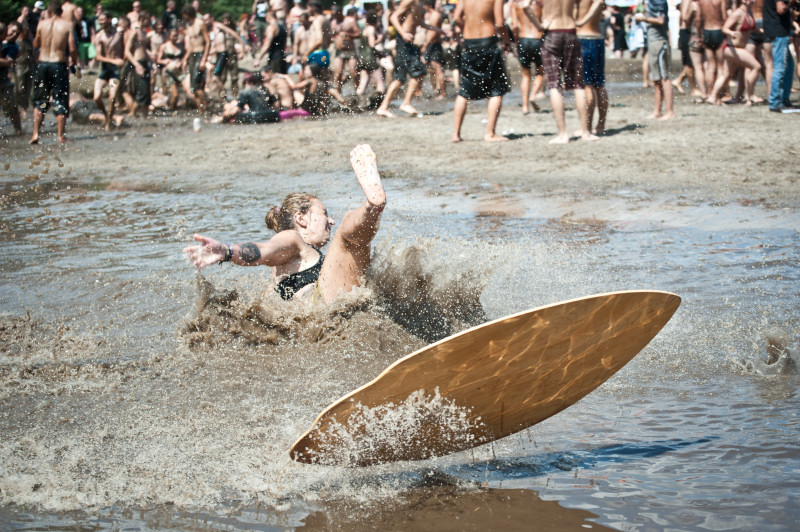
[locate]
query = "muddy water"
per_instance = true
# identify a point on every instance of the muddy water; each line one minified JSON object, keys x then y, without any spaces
{"x":138,"y":395}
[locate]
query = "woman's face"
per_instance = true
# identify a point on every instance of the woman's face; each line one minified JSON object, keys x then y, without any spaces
{"x":318,"y":224}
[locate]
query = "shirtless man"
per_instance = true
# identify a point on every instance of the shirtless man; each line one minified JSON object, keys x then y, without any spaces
{"x":433,"y":50}
{"x":110,"y":46}
{"x":483,"y":66}
{"x":344,"y":37}
{"x":406,"y":18}
{"x":135,"y":13}
{"x":709,"y":28}
{"x":137,"y":53}
{"x":563,"y":63}
{"x":319,"y":37}
{"x":194,"y":62}
{"x":68,"y":11}
{"x":279,"y":8}
{"x":529,"y":51}
{"x":54,"y":38}
{"x":300,"y":43}
{"x":594,"y":61}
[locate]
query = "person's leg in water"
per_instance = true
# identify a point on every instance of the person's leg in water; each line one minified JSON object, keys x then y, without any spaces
{"x":349,"y":255}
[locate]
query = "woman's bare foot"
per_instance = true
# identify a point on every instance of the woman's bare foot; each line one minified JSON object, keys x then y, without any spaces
{"x":456,"y":138}
{"x":384,"y":113}
{"x":365,"y":166}
{"x":589,"y":136}
{"x":560,"y":139}
{"x":34,"y":140}
{"x":409,"y":109}
{"x":668,"y":116}
{"x":757,"y":99}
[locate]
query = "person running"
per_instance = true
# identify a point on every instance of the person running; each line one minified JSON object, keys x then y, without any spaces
{"x":170,"y":57}
{"x":593,"y":51}
{"x":303,"y":227}
{"x":345,"y":57}
{"x":737,"y":28}
{"x":483,"y":67}
{"x":110,"y":49}
{"x":408,"y":64}
{"x":529,"y":52}
{"x":137,"y":53}
{"x":368,"y":55}
{"x":55,"y":40}
{"x":197,"y":48}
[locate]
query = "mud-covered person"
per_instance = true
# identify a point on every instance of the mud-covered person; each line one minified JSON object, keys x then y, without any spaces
{"x":137,"y":53}
{"x":55,"y":39}
{"x":109,"y":44}
{"x":303,"y":227}
{"x":197,"y":46}
{"x":406,"y":18}
{"x":483,"y":65}
{"x":8,"y":54}
{"x":345,"y":35}
{"x":593,"y":52}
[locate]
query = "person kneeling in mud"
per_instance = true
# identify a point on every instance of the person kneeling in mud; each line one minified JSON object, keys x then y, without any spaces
{"x":303,"y":226}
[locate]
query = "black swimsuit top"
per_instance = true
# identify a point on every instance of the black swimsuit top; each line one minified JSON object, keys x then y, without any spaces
{"x":289,"y":285}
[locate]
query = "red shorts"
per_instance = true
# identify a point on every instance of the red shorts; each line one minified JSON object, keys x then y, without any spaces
{"x":562,"y":60}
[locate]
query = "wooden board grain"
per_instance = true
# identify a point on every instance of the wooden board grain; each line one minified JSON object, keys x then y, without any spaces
{"x":488,"y":381}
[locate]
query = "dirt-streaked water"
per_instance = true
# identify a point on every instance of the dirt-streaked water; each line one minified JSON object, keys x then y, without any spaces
{"x":135,"y":395}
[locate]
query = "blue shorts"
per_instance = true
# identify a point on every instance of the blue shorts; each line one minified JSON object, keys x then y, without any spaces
{"x":594,"y":62}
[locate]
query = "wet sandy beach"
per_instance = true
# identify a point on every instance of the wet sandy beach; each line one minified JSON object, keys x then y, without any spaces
{"x":135,"y":395}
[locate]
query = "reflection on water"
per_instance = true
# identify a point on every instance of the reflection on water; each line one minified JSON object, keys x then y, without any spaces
{"x":116,"y":415}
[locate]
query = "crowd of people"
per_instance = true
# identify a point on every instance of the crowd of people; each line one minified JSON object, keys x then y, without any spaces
{"x":303,"y":60}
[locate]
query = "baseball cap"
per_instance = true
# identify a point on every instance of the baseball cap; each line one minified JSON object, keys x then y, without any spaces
{"x":40,"y":5}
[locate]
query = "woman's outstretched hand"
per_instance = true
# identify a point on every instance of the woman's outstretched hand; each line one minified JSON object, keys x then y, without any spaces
{"x":208,"y":252}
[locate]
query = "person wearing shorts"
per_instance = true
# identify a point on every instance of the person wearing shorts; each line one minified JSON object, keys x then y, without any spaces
{"x":483,"y":66}
{"x":658,"y":50}
{"x":593,"y":57}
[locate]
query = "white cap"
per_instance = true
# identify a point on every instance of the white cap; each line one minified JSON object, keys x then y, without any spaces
{"x":40,"y":5}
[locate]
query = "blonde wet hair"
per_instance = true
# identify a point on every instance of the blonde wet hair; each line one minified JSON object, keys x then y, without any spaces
{"x":282,"y":218}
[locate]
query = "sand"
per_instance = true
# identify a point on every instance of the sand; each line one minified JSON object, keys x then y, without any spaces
{"x":722,"y":154}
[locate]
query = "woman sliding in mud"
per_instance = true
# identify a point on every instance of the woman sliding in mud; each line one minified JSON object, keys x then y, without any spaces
{"x":303,"y":226}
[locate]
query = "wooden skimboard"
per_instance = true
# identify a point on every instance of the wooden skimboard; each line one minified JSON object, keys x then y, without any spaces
{"x":487,"y":382}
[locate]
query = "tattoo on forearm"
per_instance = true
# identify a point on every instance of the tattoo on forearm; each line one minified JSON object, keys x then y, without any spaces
{"x":249,"y":253}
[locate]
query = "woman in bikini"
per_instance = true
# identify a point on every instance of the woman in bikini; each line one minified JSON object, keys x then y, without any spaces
{"x":737,"y":28}
{"x":169,"y":57}
{"x":302,"y":227}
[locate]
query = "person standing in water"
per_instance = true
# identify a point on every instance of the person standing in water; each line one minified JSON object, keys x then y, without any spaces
{"x":302,"y":227}
{"x":483,"y":67}
{"x":54,"y":39}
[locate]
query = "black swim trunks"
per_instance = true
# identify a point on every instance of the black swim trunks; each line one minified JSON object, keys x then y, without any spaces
{"x":408,"y":63}
{"x":51,"y":79}
{"x":713,"y":39}
{"x":684,"y":35}
{"x":483,"y":69}
{"x":197,"y":77}
{"x":529,"y":51}
{"x":141,"y":84}
{"x":108,"y":71}
{"x":289,"y":285}
{"x":434,"y":52}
